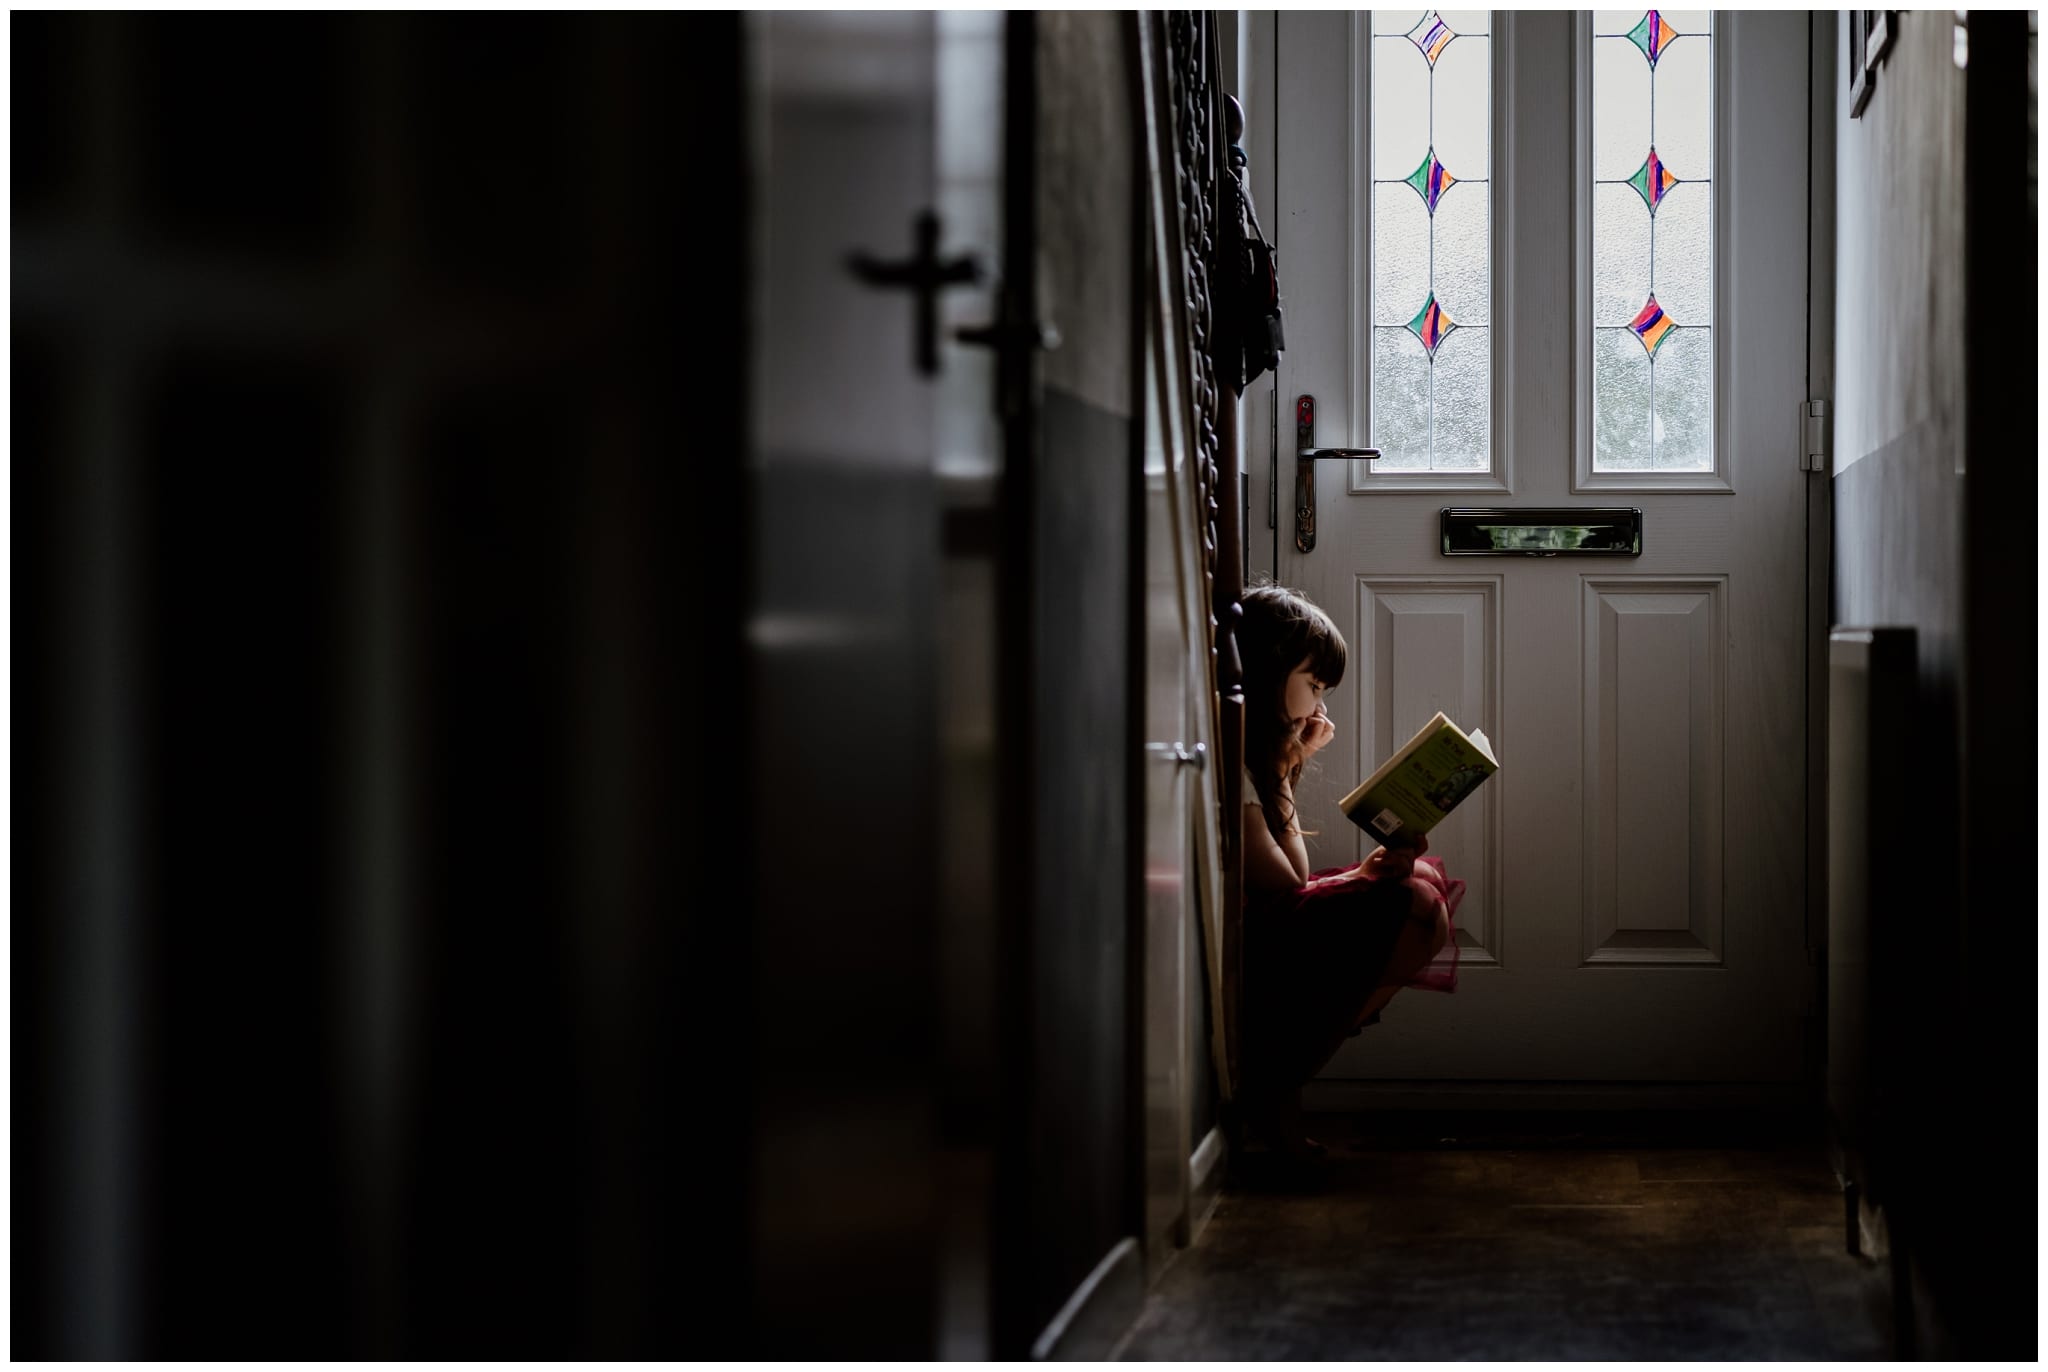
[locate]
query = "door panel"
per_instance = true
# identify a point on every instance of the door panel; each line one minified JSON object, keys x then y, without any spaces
{"x":843,"y":536}
{"x":1636,"y":869}
{"x":1434,"y":643}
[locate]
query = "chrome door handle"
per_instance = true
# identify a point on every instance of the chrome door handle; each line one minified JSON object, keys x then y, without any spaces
{"x":1179,"y":753}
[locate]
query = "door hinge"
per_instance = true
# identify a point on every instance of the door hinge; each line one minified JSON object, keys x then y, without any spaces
{"x":1819,"y":436}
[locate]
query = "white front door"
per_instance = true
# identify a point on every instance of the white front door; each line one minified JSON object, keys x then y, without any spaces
{"x":1559,"y":260}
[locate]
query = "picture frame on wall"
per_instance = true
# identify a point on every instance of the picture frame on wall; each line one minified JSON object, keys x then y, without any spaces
{"x":1859,"y":82}
{"x":1870,"y":38}
{"x":1881,"y":28}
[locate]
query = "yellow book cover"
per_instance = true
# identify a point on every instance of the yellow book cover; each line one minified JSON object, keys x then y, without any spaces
{"x":1425,"y":779}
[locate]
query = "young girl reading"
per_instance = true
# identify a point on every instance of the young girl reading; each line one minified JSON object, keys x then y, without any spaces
{"x":1324,"y":952}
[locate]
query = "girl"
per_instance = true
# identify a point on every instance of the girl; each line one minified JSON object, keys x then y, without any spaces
{"x":1323,"y":951}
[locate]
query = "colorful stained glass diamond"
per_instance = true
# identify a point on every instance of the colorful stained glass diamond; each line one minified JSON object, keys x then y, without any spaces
{"x":1653,"y":180}
{"x":1432,"y":35}
{"x":1652,"y":35}
{"x":1431,"y":325}
{"x":1651,"y":326}
{"x":1431,"y":180}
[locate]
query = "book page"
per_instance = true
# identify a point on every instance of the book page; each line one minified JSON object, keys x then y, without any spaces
{"x":1478,"y":740}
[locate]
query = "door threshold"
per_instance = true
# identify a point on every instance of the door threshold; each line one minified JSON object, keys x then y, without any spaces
{"x":1341,"y":1096}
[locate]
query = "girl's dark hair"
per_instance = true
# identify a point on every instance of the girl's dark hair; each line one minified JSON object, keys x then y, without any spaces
{"x":1281,"y":628}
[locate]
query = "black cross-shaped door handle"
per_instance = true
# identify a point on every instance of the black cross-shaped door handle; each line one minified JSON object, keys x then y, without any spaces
{"x":924,"y":274}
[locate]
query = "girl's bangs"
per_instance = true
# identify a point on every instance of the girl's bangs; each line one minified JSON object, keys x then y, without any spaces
{"x":1326,"y":653}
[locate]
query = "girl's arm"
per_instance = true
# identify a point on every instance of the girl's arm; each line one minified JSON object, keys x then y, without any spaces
{"x":1270,"y":864}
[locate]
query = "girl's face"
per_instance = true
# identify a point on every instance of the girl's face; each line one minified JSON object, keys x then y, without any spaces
{"x":1303,"y":696}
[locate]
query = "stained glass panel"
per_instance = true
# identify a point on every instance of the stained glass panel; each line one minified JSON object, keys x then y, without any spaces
{"x":1652,"y":35}
{"x":1653,"y":242}
{"x":1459,"y":119}
{"x":1461,"y":403}
{"x":1400,"y":107}
{"x":1683,"y":421}
{"x":1685,"y":256}
{"x":1622,"y":111}
{"x":1464,"y":254}
{"x":1431,"y":325}
{"x":1431,"y":364}
{"x":1431,"y":35}
{"x":1652,"y":325}
{"x":1400,"y":401}
{"x":1682,"y":102}
{"x":1430,"y":180}
{"x":1621,"y":254}
{"x":1621,"y":419}
{"x":1400,"y":250}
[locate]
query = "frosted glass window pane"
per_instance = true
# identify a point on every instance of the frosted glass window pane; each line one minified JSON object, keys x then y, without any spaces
{"x":1400,"y":252}
{"x":1464,"y":254}
{"x":1400,"y":401}
{"x":1621,"y":108}
{"x":1621,"y":402}
{"x":1685,"y":257}
{"x":1463,"y":428}
{"x":1684,"y":424}
{"x":1400,"y":107}
{"x":1621,"y":254}
{"x":1431,"y":235}
{"x":1652,"y":202}
{"x":1682,"y":104}
{"x":1462,"y":108}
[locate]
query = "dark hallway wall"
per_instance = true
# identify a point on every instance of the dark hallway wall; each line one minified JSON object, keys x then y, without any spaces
{"x":1936,"y":455}
{"x":373,"y":598}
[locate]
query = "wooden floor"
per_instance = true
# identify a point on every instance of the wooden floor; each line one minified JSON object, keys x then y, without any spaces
{"x":1448,"y":1238}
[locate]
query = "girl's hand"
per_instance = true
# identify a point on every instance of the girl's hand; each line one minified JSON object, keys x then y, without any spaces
{"x":1397,"y":863}
{"x":1316,"y":733}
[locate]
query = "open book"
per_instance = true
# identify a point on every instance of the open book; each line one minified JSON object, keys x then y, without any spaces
{"x":1423,"y":781}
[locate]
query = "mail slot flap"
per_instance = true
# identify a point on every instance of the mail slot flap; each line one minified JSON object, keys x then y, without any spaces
{"x":1542,"y":533}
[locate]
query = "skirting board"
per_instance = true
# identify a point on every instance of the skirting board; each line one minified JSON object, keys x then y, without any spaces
{"x":1205,"y":1182}
{"x":1099,"y":1313}
{"x":1337,"y":1096}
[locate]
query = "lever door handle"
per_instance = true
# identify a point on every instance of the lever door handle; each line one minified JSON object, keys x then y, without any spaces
{"x":1177,"y":752}
{"x":1305,"y":454}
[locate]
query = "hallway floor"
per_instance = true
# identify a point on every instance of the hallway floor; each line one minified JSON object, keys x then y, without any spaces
{"x":1445,"y":1238}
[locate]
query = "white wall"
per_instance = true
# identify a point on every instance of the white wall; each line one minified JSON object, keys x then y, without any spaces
{"x":1899,"y":246}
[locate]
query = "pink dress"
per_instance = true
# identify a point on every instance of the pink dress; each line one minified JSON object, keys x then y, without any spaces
{"x":1314,"y":956}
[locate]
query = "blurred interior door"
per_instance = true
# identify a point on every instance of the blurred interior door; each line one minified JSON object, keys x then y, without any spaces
{"x":843,"y":562}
